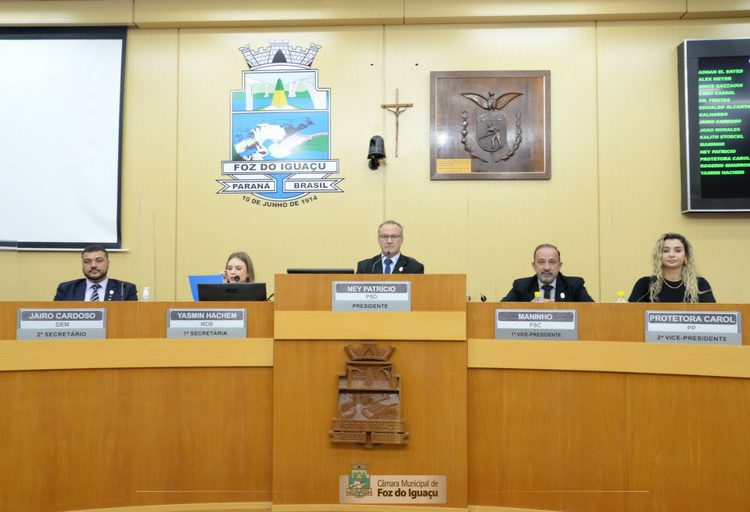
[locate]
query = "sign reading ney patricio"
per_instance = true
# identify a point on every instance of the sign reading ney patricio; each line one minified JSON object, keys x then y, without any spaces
{"x":490,"y":125}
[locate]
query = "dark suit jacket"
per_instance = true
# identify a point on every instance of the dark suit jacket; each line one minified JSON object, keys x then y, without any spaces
{"x":404,"y":265}
{"x":573,"y":288}
{"x":116,"y":290}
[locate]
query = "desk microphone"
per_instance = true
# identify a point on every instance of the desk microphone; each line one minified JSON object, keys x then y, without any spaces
{"x":236,"y":279}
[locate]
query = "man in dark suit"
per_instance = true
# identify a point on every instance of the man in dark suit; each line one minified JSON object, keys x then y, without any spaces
{"x":549,"y":280}
{"x":390,"y":260}
{"x":96,"y":286}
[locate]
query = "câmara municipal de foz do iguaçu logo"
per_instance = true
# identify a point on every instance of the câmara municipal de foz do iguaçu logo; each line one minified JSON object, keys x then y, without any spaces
{"x":280,"y":130}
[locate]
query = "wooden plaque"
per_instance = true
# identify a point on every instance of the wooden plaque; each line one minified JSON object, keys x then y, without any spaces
{"x":490,"y":125}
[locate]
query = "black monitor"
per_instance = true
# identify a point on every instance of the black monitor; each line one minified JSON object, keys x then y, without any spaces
{"x":244,"y":292}
{"x":714,"y":82}
{"x":320,"y":271}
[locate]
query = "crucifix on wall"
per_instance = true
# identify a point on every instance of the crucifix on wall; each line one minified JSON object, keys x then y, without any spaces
{"x":397,"y":109}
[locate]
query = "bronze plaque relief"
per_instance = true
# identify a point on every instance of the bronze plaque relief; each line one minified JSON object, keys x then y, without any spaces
{"x":489,"y":125}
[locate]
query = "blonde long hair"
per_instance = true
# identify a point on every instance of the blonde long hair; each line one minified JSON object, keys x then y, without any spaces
{"x":689,"y":270}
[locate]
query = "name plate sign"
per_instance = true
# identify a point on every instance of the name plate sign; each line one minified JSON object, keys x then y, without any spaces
{"x":393,"y":489}
{"x":61,"y":324}
{"x":374,"y":296}
{"x":694,"y":327}
{"x":207,"y":323}
{"x":536,"y":324}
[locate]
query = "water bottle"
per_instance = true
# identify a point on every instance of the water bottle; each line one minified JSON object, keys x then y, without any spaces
{"x":537,"y":297}
{"x":621,"y":298}
{"x":146,"y":295}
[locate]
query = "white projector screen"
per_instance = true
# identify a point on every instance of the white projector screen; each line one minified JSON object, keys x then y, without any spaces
{"x":60,"y":135}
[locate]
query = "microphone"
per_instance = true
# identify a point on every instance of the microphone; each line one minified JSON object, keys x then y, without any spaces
{"x":372,"y":267}
{"x":122,"y":291}
{"x":236,"y":279}
{"x":482,"y":297}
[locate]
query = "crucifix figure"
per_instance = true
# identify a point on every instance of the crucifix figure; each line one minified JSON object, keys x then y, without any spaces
{"x":397,"y":109}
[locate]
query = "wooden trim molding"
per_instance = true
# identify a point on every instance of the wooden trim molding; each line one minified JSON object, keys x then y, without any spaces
{"x":624,"y":357}
{"x":135,"y":353}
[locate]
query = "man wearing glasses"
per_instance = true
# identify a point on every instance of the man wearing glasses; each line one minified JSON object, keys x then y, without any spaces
{"x":390,"y":260}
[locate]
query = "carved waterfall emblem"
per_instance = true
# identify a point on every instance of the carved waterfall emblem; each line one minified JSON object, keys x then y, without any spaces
{"x":369,"y":401}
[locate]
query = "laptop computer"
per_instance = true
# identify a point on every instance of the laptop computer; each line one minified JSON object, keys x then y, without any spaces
{"x":232,"y":291}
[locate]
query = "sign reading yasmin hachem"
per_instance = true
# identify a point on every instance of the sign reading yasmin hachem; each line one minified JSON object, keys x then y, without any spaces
{"x":281,"y":130}
{"x":361,"y":487}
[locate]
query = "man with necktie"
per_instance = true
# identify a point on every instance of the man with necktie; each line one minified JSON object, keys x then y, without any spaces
{"x":390,"y":260}
{"x":548,"y":280}
{"x":96,"y":287}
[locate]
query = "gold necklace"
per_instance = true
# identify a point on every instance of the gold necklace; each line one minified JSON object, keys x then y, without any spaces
{"x":673,"y":287}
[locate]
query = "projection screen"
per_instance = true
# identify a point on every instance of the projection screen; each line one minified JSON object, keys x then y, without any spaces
{"x":60,"y":136}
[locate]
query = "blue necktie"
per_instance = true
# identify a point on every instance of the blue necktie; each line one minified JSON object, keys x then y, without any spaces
{"x":388,"y":262}
{"x":95,"y":292}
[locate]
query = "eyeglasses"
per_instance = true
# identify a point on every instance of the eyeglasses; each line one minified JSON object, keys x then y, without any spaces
{"x":389,"y":237}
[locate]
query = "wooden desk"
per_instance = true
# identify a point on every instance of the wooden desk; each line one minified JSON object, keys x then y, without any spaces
{"x":137,"y":419}
{"x":309,"y":355}
{"x":605,"y":424}
{"x":610,"y":423}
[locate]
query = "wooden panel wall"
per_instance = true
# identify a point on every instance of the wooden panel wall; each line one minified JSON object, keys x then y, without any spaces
{"x":590,"y":441}
{"x":306,"y":400}
{"x":78,"y":439}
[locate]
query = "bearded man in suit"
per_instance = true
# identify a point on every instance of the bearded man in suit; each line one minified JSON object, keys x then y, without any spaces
{"x":96,"y":286}
{"x":549,"y":280}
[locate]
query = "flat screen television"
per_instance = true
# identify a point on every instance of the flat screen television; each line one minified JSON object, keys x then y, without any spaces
{"x":242,"y":292}
{"x":714,"y":79}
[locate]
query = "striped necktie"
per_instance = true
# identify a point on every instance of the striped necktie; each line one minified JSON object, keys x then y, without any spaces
{"x":95,"y":293}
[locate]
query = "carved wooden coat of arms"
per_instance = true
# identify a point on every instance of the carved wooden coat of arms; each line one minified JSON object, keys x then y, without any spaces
{"x":489,"y":125}
{"x":369,"y":401}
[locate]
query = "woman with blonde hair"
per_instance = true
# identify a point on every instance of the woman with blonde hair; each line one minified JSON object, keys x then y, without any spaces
{"x":239,"y":268}
{"x":675,"y":276}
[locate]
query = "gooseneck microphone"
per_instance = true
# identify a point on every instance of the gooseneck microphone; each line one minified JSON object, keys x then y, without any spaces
{"x":236,"y":279}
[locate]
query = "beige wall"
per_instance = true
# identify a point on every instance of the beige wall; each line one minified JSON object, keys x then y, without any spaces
{"x":615,"y":143}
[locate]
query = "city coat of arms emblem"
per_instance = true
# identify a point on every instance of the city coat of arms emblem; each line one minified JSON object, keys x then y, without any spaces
{"x":280,"y":127}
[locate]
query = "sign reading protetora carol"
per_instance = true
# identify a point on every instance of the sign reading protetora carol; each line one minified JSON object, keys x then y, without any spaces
{"x":61,"y":324}
{"x":536,"y":324}
{"x":207,"y":323}
{"x":281,"y":127}
{"x":371,"y":296}
{"x":361,"y":487}
{"x":694,"y":327}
